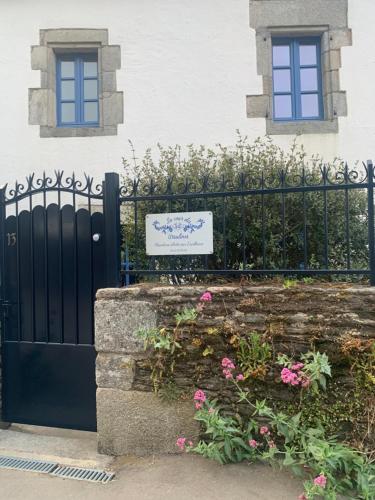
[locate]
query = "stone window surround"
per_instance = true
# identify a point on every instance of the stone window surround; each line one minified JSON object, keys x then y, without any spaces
{"x":334,"y":35}
{"x":42,"y":101}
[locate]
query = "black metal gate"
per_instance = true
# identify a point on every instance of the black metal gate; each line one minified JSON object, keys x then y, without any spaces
{"x":59,"y":244}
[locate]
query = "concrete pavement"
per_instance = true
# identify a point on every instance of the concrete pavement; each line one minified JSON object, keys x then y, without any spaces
{"x":180,"y":477}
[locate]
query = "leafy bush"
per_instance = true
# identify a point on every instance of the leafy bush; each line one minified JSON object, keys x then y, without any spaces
{"x":329,"y":468}
{"x":242,"y":223}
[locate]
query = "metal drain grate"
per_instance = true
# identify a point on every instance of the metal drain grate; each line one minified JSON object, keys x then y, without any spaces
{"x":27,"y":464}
{"x":93,"y":475}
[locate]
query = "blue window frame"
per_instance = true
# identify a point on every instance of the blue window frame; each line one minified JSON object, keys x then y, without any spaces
{"x":77,"y":90}
{"x":297,"y":79}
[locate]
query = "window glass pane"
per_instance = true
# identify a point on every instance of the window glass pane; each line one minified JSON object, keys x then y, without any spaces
{"x":90,"y":68}
{"x":281,"y":80}
{"x":307,"y":54}
{"x":310,"y":105}
{"x":283,"y":106}
{"x":91,"y":112}
{"x":309,"y":79}
{"x":90,"y":89}
{"x":67,"y":90}
{"x":67,"y":69}
{"x":68,"y":112}
{"x":281,"y":55}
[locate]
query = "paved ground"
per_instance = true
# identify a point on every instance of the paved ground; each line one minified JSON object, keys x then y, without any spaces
{"x":173,"y":477}
{"x":185,"y":477}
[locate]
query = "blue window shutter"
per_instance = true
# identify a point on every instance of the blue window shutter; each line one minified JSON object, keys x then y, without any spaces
{"x":74,"y":108}
{"x":299,"y":96}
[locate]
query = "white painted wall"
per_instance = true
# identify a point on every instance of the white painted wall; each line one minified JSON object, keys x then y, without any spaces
{"x":187,"y":66}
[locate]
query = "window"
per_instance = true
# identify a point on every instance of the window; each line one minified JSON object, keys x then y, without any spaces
{"x":297,"y":79}
{"x":77,"y":90}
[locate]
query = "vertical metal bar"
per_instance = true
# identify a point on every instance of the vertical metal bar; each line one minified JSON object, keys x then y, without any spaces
{"x":32,"y":270}
{"x":111,"y":208}
{"x":92,"y":292}
{"x":243,"y":226}
{"x":305,"y":252}
{"x":283,"y":218}
{"x":18,"y":277}
{"x":225,"y":231}
{"x":205,"y":209}
{"x":136,"y":263}
{"x":263,"y":228}
{"x":61,"y":270}
{"x":46,"y":273}
{"x":347,"y":228}
{"x":325,"y":217}
{"x":75,"y":236}
{"x":371,"y":236}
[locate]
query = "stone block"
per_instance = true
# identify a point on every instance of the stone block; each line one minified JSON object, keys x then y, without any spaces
{"x":117,"y":323}
{"x":109,"y":81}
{"x":139,"y":423}
{"x":331,"y":60}
{"x":73,"y":35}
{"x":39,"y":57}
{"x":113,"y":108}
{"x":115,"y":371}
{"x":339,"y":103}
{"x":38,"y":106}
{"x":257,"y":106}
{"x":111,"y":58}
{"x":264,"y":52}
{"x":340,"y":38}
{"x":264,"y":13}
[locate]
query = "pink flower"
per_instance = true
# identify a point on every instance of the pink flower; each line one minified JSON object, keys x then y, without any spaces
{"x":253,"y":443}
{"x":227,"y":373}
{"x":288,"y":377}
{"x":181,"y":443}
{"x":206,"y":297}
{"x":264,"y":430}
{"x":320,"y":480}
{"x":198,"y":406}
{"x":227,"y":363}
{"x":190,"y":443}
{"x":200,"y":396}
{"x":297,"y":366}
{"x":271,"y":444}
{"x":240,"y":377}
{"x":302,"y":497}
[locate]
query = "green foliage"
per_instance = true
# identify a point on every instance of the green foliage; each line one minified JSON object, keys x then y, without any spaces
{"x":305,"y":450}
{"x":187,"y":315}
{"x":226,"y":441}
{"x":317,"y":368}
{"x":289,"y":283}
{"x":158,"y":339}
{"x":176,"y":167}
{"x":253,"y":355}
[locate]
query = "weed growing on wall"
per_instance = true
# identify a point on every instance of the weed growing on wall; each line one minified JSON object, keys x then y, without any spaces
{"x":327,"y":467}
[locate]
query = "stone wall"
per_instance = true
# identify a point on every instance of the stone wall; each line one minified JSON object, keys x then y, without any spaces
{"x":132,"y":419}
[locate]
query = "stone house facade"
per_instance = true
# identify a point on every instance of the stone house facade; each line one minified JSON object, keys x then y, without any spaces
{"x":79,"y":82}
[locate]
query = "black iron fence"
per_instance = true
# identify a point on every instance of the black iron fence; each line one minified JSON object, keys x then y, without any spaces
{"x":310,"y":223}
{"x":304,"y":223}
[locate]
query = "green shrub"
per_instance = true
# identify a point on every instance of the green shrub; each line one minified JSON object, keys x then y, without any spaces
{"x":225,"y":168}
